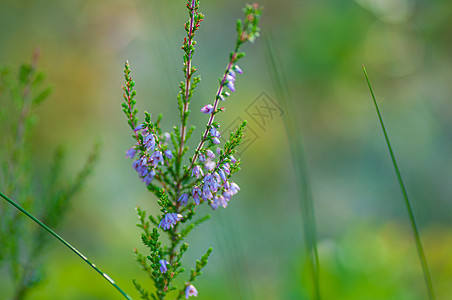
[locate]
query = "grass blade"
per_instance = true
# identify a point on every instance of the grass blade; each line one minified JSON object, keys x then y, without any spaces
{"x":299,"y":163}
{"x":425,"y":269}
{"x":72,"y":248}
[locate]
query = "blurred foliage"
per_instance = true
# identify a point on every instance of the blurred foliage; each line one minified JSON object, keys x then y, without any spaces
{"x":22,"y":244}
{"x":381,"y":265}
{"x":405,"y":44}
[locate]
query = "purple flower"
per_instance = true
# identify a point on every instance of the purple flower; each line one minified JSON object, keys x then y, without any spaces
{"x":217,"y":201}
{"x":231,"y":74}
{"x":227,"y":194}
{"x":149,"y":142}
{"x":206,"y":193}
{"x":237,"y":69}
{"x":212,"y":181}
{"x":196,"y":172}
{"x":233,"y":160}
{"x":196,"y":192}
{"x":202,"y":158}
{"x":140,"y":166}
{"x":183,"y":199}
{"x":209,"y":180}
{"x":163,"y":264}
{"x":210,"y":153}
{"x":210,"y":165}
{"x":234,"y":188}
{"x":215,"y":135}
{"x":190,"y":290}
{"x":214,"y":132}
{"x":231,"y":86}
{"x":167,"y":138}
{"x":143,"y":171}
{"x":222,"y":175}
{"x":136,"y":164}
{"x":230,"y":82}
{"x":221,"y":97}
{"x":169,"y":220}
{"x":223,"y":201}
{"x":139,"y":127}
{"x":131,"y":152}
{"x":226,"y":168}
{"x":156,"y":158}
{"x":168,"y":153}
{"x":148,"y":178}
{"x":217,"y":178}
{"x":230,"y":190}
{"x":214,"y":204}
{"x":207,"y":109}
{"x":226,"y":185}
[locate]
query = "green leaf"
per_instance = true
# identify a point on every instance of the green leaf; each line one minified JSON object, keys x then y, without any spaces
{"x":42,"y":96}
{"x":25,"y":73}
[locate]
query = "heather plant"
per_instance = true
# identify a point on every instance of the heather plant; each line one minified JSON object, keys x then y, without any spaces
{"x":180,"y":184}
{"x":23,"y":247}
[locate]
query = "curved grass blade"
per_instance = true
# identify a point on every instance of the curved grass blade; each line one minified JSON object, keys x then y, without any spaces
{"x":299,"y":162}
{"x":425,"y":269}
{"x":73,"y":249}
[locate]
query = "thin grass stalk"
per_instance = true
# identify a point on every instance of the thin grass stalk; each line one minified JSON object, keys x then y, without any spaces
{"x":299,"y":162}
{"x":423,"y":261}
{"x":72,"y":248}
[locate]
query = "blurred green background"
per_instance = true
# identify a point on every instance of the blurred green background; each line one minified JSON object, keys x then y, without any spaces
{"x":366,"y":247}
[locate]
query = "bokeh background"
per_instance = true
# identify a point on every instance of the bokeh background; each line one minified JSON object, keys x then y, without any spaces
{"x":366,"y":247}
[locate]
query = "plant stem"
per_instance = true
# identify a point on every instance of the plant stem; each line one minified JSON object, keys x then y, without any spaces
{"x":17,"y":152}
{"x":72,"y":248}
{"x":137,"y":138}
{"x":187,"y":80}
{"x":300,"y":167}
{"x":215,"y":106}
{"x":425,"y":269}
{"x":240,"y":41}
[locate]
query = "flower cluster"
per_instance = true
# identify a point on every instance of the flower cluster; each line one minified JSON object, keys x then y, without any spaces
{"x":213,"y":187}
{"x":230,"y":78}
{"x":163,"y":266}
{"x":169,"y":220}
{"x":158,"y":159}
{"x":149,"y":160}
